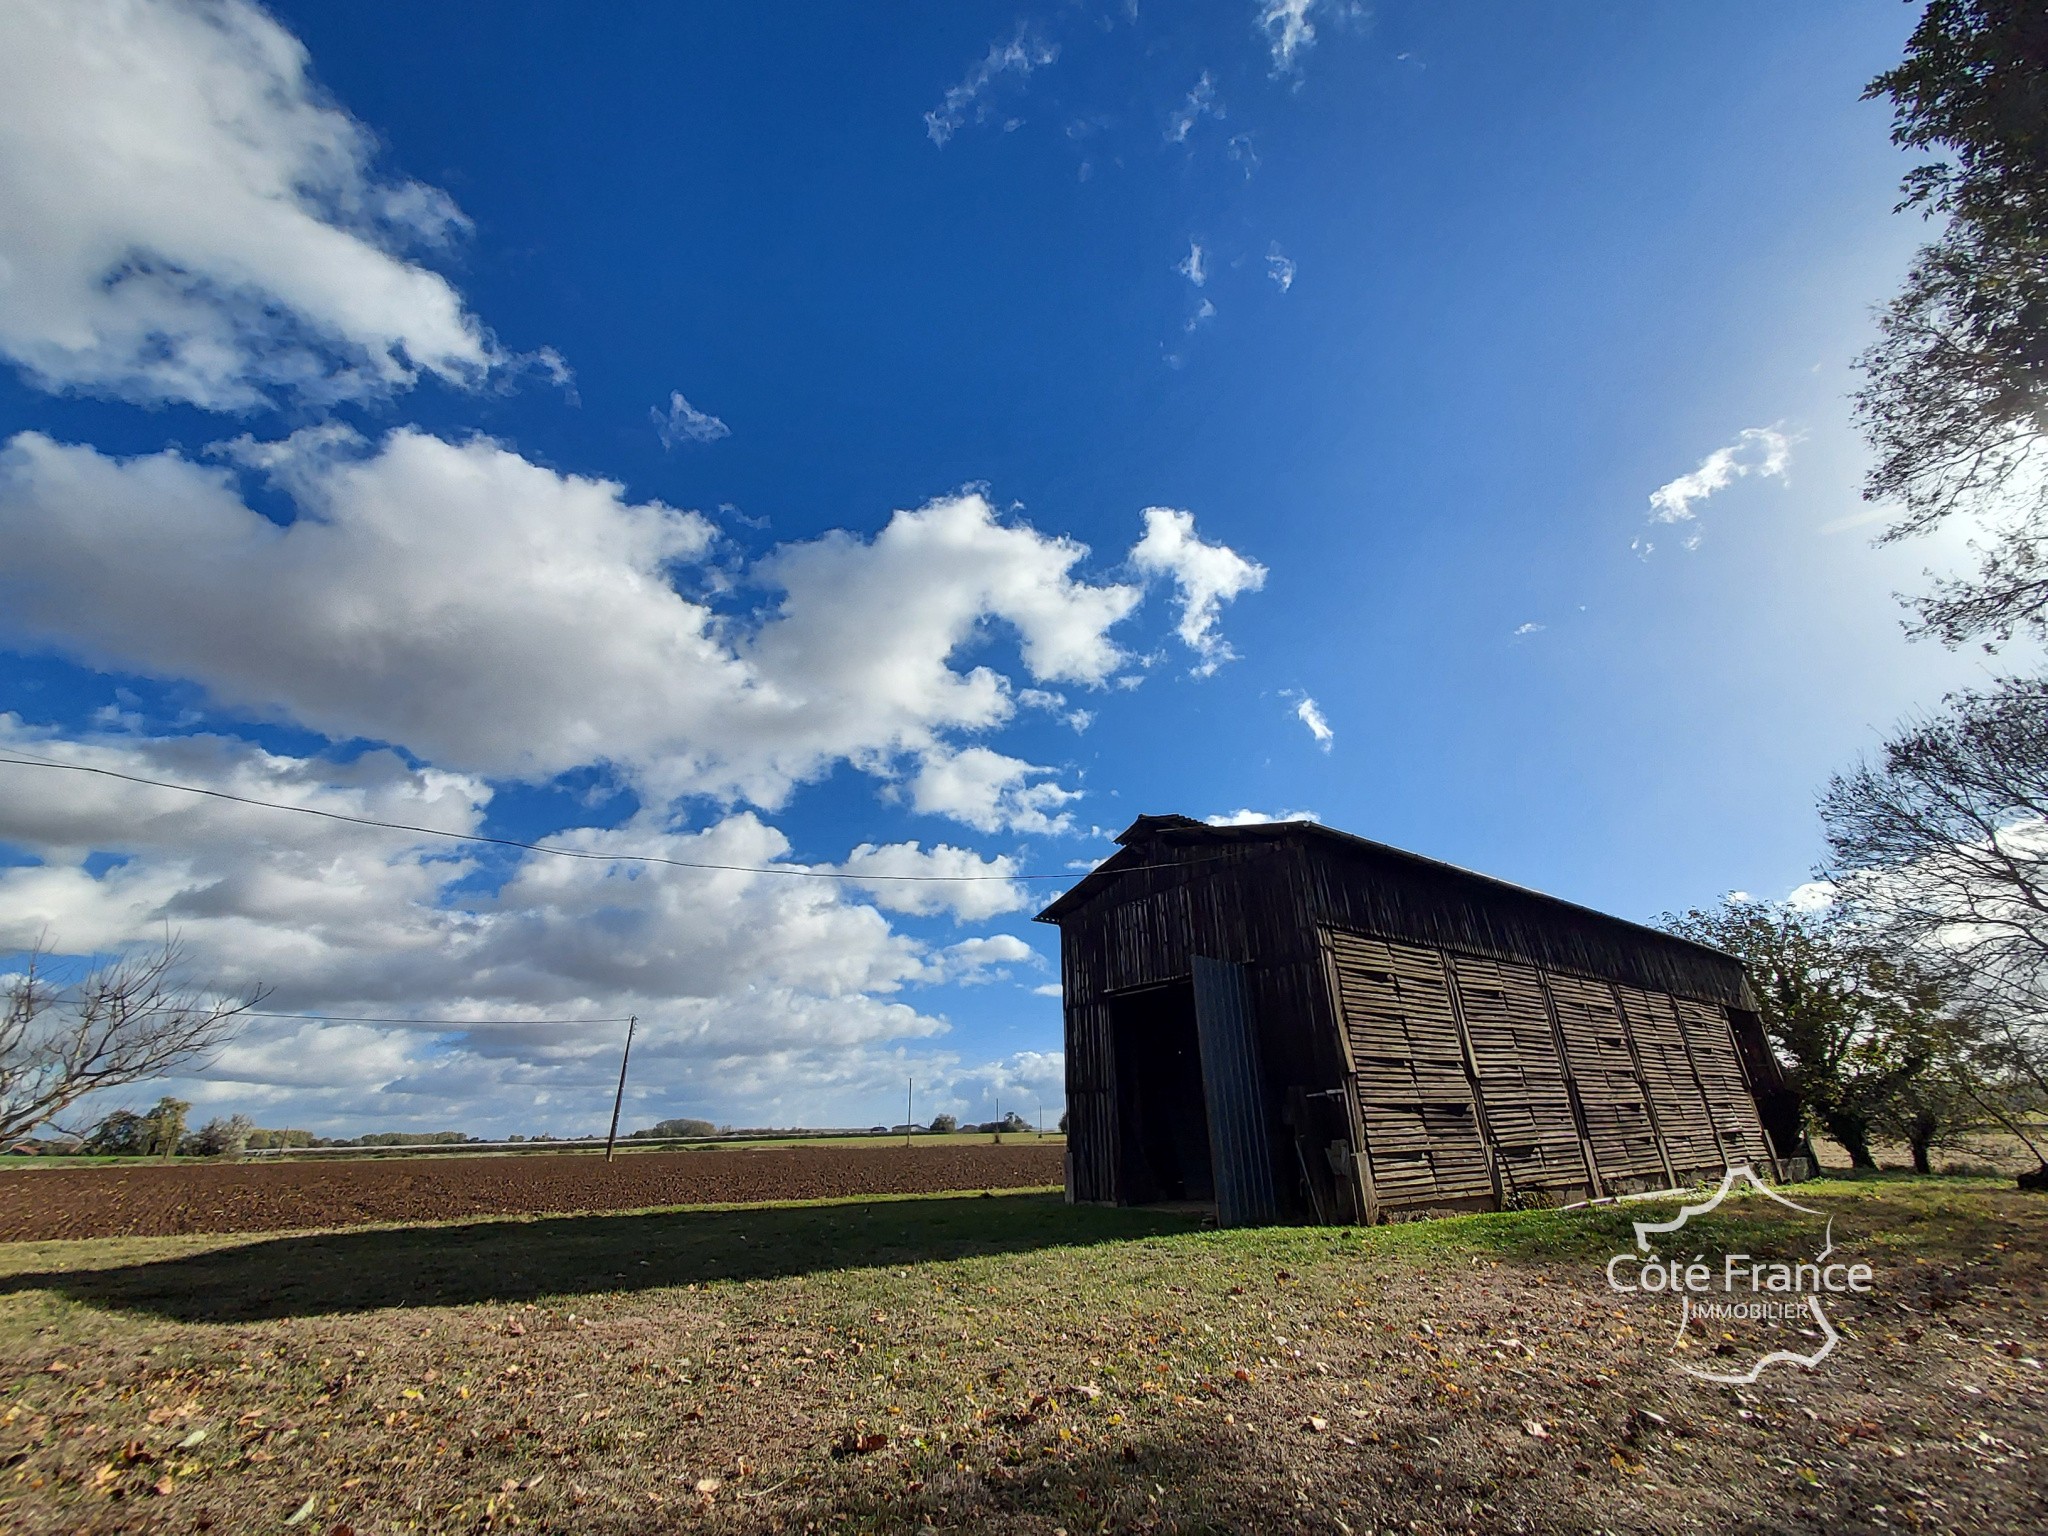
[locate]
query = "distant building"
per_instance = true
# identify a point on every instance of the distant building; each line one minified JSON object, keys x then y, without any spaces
{"x":1286,"y":1020}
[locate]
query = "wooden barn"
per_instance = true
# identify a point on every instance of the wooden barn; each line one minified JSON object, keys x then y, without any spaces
{"x":1288,"y":1021}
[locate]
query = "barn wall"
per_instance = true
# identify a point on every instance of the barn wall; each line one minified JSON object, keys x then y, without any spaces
{"x":1481,"y":1082}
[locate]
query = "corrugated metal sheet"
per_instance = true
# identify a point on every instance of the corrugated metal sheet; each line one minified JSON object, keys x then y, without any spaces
{"x":1240,"y":1145}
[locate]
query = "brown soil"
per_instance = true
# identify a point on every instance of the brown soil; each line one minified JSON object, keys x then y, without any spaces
{"x":152,"y":1201}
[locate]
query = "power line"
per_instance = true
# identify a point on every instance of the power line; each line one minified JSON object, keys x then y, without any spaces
{"x":508,"y":842}
{"x":350,"y":1018}
{"x":20,"y":760}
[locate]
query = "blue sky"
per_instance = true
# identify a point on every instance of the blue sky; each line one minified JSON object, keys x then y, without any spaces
{"x":681,"y":435}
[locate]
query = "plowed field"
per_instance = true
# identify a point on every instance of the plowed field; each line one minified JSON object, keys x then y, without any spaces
{"x":159,"y":1200}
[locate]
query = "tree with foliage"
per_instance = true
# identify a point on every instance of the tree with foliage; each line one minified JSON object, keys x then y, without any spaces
{"x":124,"y":1023}
{"x":165,"y":1127}
{"x":123,"y":1133}
{"x":1854,"y":1027}
{"x":944,"y":1125}
{"x":1955,"y":398}
{"x":223,"y":1137}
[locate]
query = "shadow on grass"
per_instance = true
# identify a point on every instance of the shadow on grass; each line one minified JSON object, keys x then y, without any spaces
{"x":510,"y":1260}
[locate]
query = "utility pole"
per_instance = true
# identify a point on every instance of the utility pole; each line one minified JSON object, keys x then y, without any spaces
{"x":910,"y":1087}
{"x":620,"y":1099}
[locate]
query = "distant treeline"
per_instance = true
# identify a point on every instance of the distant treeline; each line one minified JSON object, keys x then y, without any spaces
{"x":162,"y":1132}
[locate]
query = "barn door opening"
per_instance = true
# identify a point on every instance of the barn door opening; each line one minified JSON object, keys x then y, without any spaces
{"x":1161,"y":1108}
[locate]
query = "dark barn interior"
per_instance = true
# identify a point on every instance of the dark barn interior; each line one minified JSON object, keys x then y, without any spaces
{"x":1286,"y":1021}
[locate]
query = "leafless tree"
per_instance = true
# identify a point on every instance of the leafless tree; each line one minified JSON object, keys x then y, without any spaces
{"x":1940,"y":851}
{"x":126,"y":1022}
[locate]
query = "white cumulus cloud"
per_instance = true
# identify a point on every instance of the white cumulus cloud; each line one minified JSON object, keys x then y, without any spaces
{"x":776,"y":995}
{"x":1279,"y":267}
{"x":498,"y":617}
{"x":988,"y":891}
{"x":187,"y":219}
{"x":1762,"y":451}
{"x":1200,"y":103}
{"x":1249,"y":818}
{"x":990,"y":792}
{"x":985,"y":958}
{"x":1207,"y":576}
{"x":1310,"y":714}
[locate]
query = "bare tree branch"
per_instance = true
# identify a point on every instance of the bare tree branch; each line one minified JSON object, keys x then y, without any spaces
{"x":126,"y":1022}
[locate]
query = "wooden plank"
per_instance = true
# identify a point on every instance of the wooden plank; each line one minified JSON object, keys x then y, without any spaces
{"x":1521,"y":1079}
{"x":1731,"y":1107}
{"x":1611,"y":1095}
{"x":1414,"y":1101}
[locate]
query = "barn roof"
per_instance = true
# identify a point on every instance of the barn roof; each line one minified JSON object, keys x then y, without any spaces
{"x":1143,"y":837}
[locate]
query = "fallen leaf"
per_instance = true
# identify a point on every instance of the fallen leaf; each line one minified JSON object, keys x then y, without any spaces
{"x":1536,"y":1429}
{"x":304,"y":1512}
{"x":1316,"y":1424}
{"x":708,"y":1485}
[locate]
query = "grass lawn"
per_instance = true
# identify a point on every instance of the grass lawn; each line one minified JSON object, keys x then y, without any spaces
{"x":1008,"y":1362}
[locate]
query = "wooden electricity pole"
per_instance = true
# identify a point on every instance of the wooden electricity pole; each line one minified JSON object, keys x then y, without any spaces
{"x":620,"y":1099}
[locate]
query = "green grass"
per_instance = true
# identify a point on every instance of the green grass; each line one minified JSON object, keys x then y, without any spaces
{"x":973,"y":1361}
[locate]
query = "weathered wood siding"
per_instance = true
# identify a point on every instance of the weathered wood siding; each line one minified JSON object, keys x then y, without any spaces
{"x":1484,"y":1082}
{"x":1415,"y":1101}
{"x":1730,"y":1102}
{"x":1677,"y":1101}
{"x":1612,"y":1100}
{"x":1403,"y":897}
{"x":1523,"y":1091}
